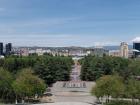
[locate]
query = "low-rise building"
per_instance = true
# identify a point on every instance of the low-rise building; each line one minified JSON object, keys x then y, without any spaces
{"x":114,"y":53}
{"x":99,"y":52}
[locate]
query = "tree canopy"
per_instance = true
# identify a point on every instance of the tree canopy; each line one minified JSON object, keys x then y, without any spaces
{"x":94,"y":67}
{"x":108,"y":85}
{"x":6,"y":80}
{"x":27,"y":84}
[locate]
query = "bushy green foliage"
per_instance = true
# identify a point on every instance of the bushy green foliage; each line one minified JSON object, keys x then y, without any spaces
{"x":49,"y":68}
{"x":27,"y":84}
{"x":53,"y":69}
{"x":115,"y":87}
{"x":108,"y":85}
{"x":24,"y":84}
{"x":133,"y":89}
{"x":94,"y":67}
{"x":15,"y":63}
{"x":16,"y":80}
{"x":6,"y":90}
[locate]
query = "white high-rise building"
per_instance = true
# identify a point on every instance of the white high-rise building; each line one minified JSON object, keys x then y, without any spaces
{"x":124,"y":50}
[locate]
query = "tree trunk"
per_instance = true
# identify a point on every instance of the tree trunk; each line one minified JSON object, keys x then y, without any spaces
{"x":22,"y":100}
{"x":16,"y":101}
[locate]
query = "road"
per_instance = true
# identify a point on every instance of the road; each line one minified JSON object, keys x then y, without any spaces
{"x":75,"y":73}
{"x":74,"y":90}
{"x":65,"y":103}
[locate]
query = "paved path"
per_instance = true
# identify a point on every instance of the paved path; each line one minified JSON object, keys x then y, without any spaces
{"x":75,"y":74}
{"x":65,"y":103}
{"x":82,"y":99}
{"x":73,"y":91}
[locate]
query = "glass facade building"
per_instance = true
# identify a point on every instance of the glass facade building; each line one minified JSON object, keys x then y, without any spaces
{"x":136,"y":46}
{"x":8,"y":48}
{"x":1,"y":48}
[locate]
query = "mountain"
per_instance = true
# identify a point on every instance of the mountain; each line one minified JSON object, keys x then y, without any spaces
{"x":116,"y":47}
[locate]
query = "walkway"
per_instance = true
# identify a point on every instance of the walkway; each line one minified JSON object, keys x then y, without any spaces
{"x":65,"y":103}
{"x":74,"y":90}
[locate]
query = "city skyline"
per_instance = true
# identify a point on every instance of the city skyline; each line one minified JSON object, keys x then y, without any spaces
{"x":58,"y":23}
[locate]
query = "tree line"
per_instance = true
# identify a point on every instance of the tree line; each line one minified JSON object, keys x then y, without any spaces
{"x":113,"y":89}
{"x":94,"y":67}
{"x":49,"y":68}
{"x":22,"y":86}
{"x":24,"y":77}
{"x":116,"y":78}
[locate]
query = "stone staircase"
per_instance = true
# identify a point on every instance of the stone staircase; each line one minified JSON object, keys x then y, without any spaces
{"x":72,"y":86}
{"x":73,"y":93}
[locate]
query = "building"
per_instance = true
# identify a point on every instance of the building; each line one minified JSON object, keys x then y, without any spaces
{"x":24,"y":52}
{"x":77,"y":52}
{"x":136,"y":47}
{"x":39,"y":52}
{"x":130,"y":53}
{"x":99,"y":51}
{"x":114,"y":53}
{"x":8,"y":48}
{"x":1,"y":48}
{"x":32,"y":51}
{"x":124,"y":50}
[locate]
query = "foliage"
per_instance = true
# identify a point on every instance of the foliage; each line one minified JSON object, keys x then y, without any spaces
{"x":6,"y":91}
{"x":114,"y":86}
{"x":15,"y":63}
{"x":94,"y":67}
{"x":108,"y":86}
{"x":134,"y":67}
{"x":16,"y":80}
{"x":133,"y":89}
{"x":53,"y":69}
{"x":27,"y":84}
{"x":48,"y":67}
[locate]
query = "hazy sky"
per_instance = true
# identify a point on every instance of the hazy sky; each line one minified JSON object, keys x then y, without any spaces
{"x":69,"y":22}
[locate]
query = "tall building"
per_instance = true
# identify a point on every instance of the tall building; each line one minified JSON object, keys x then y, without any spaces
{"x":136,"y":47}
{"x":124,"y":50}
{"x":8,"y":48}
{"x":1,"y":48}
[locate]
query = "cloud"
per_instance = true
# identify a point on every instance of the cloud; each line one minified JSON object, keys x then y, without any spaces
{"x":57,"y":40}
{"x":137,"y":39}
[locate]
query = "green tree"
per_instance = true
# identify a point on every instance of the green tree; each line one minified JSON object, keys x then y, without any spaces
{"x":134,"y":67}
{"x":133,"y":89}
{"x":94,"y":67}
{"x":108,"y":86}
{"x":52,"y":69}
{"x":6,"y":91}
{"x":27,"y":84}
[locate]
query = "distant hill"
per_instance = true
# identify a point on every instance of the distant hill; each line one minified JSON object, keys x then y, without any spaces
{"x":76,"y":48}
{"x":116,"y":47}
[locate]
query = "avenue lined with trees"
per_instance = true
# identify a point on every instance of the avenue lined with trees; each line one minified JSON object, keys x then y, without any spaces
{"x":22,"y":78}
